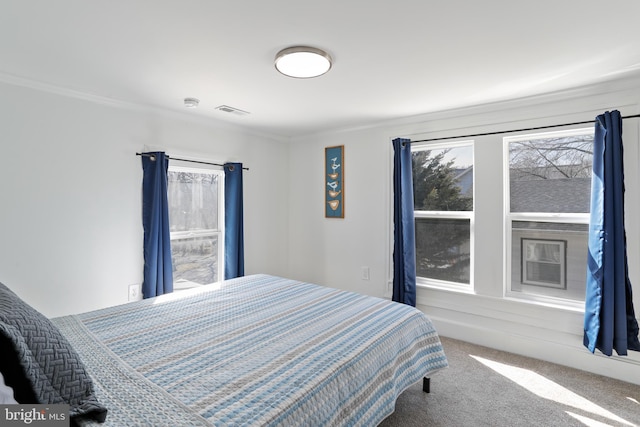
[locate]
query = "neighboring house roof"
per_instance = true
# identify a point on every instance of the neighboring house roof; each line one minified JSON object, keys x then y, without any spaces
{"x":551,"y":195}
{"x":464,"y":179}
{"x":562,"y":195}
{"x":459,"y":173}
{"x":551,"y":171}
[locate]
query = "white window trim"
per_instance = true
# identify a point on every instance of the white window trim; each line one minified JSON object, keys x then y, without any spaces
{"x":579,"y":218}
{"x":425,"y":282}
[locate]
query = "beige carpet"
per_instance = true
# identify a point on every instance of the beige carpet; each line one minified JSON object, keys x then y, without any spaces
{"x":486,"y":387}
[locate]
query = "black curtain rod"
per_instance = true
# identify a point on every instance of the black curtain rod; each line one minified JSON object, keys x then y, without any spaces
{"x":187,"y":160}
{"x":515,"y":130}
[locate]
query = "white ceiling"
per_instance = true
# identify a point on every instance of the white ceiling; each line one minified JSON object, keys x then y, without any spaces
{"x":392,"y":58}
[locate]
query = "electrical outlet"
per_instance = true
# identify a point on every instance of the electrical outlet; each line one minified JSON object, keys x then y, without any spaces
{"x":134,"y":292}
{"x":365,"y":273}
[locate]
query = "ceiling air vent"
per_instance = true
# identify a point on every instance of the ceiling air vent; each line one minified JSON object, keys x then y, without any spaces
{"x":236,"y":111}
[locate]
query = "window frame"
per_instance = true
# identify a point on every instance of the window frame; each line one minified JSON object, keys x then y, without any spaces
{"x":456,"y":215}
{"x":545,"y":217}
{"x":219,"y":232}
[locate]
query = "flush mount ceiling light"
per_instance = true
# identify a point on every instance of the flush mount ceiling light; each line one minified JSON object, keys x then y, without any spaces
{"x":191,"y":102}
{"x":303,"y":62}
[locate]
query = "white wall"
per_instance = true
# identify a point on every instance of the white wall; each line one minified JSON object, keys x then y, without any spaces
{"x":71,"y":233}
{"x":70,"y":194}
{"x":332,"y":251}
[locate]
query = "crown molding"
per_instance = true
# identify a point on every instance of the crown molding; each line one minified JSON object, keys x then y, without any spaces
{"x":14,"y":80}
{"x":596,"y":95}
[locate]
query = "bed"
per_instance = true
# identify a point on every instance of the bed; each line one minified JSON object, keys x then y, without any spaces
{"x":258,"y":350}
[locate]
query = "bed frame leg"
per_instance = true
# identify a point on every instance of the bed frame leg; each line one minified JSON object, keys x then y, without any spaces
{"x":426,"y":385}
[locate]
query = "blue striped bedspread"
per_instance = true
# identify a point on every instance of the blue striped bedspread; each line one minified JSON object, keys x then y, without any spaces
{"x":255,"y":351}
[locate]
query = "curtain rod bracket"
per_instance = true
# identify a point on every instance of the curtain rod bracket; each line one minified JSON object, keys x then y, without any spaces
{"x":184,"y":160}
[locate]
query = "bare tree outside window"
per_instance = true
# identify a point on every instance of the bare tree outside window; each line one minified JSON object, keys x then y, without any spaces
{"x":194,"y":224}
{"x":552,"y":158}
{"x":550,"y":173}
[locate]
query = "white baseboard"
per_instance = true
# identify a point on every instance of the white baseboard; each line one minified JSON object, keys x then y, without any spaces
{"x":570,"y":353}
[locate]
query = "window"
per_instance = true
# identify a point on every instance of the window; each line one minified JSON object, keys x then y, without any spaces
{"x":196,"y":224}
{"x":543,"y":262}
{"x":548,"y":202}
{"x":443,"y":204}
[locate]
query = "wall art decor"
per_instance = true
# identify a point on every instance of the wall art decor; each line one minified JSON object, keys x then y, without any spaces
{"x":334,"y":181}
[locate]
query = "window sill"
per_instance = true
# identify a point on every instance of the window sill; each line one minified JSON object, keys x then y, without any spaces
{"x":181,"y":285}
{"x":566,"y":305}
{"x":462,"y":289}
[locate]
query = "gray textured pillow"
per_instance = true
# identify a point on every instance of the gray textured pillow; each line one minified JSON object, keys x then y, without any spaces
{"x":52,"y":369}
